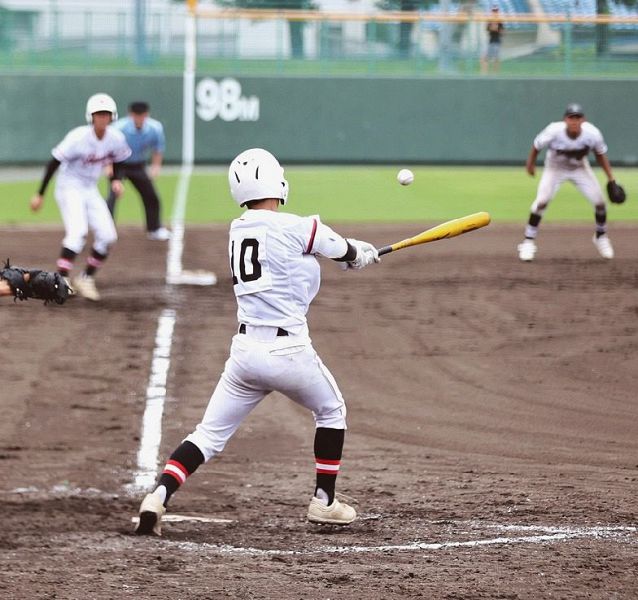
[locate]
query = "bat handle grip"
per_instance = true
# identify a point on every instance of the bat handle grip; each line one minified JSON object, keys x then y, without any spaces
{"x":384,"y":250}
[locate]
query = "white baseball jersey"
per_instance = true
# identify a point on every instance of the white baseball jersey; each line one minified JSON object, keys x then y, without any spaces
{"x":275,"y":275}
{"x":275,"y":272}
{"x":565,"y":152}
{"x":84,"y":156}
{"x":567,"y":160}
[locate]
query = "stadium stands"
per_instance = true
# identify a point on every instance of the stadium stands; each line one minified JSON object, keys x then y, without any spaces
{"x":587,"y":8}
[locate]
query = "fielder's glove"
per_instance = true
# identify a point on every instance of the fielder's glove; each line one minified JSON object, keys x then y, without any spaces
{"x":616,"y":192}
{"x":366,"y":254}
{"x":42,"y":285}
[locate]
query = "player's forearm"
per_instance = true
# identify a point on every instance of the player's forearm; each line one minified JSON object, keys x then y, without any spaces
{"x":530,"y":164}
{"x":156,"y":159}
{"x":350,"y":255}
{"x":51,"y":168}
{"x":533,"y":155}
{"x":156,"y":164}
{"x":117,"y":171}
{"x":603,"y":161}
{"x":328,"y":242}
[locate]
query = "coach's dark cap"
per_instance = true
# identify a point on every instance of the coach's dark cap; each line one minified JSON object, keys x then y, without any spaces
{"x":574,"y":110}
{"x":139,"y":107}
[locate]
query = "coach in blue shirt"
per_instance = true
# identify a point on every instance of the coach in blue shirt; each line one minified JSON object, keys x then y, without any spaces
{"x":144,"y":135}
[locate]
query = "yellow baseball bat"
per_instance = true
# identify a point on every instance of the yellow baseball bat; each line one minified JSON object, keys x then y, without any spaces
{"x":443,"y":231}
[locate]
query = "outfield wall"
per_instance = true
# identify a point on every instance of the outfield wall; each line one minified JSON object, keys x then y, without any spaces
{"x":447,"y":120}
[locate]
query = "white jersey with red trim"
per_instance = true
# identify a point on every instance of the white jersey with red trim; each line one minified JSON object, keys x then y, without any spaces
{"x":83,"y":155}
{"x":276,"y":275}
{"x":274,"y":267}
{"x":565,"y":152}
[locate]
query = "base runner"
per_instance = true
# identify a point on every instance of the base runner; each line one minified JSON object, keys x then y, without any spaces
{"x":276,"y":275}
{"x":81,"y":156}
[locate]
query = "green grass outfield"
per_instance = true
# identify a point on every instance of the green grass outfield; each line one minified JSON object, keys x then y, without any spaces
{"x":352,"y":193}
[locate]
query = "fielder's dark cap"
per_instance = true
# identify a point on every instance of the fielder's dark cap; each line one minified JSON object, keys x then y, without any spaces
{"x":574,"y":110}
{"x":139,"y":107}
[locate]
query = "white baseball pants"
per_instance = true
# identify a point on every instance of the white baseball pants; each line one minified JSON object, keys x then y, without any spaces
{"x":259,"y":363}
{"x":83,"y":208}
{"x":553,"y":177}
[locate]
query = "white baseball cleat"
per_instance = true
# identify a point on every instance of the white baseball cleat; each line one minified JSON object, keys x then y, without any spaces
{"x":84,"y":286}
{"x":337,"y":513}
{"x":159,"y":235}
{"x":151,"y":512}
{"x":527,"y":250}
{"x":604,"y":247}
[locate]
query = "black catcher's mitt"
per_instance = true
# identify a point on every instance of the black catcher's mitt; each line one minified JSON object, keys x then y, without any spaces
{"x":42,"y":285}
{"x":616,"y":192}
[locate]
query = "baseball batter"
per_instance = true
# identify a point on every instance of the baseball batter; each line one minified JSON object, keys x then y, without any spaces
{"x":568,"y":144}
{"x":81,"y":156}
{"x":276,"y":275}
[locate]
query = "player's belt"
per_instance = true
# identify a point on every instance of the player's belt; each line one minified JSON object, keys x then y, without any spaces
{"x":280,"y":332}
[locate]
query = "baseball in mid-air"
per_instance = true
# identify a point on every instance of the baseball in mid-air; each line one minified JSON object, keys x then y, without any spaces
{"x":405,"y":177}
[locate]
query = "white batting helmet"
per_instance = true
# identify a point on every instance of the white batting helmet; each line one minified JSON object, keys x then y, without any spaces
{"x":99,"y":103}
{"x":256,"y":174}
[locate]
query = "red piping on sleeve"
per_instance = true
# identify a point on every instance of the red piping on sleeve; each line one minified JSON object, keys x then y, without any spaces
{"x":312,"y":236}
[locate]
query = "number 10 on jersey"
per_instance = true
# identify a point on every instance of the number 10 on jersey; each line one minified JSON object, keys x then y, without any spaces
{"x":248,"y":265}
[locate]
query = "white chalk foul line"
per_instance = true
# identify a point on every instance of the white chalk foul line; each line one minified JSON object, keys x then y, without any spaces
{"x":620,"y":533}
{"x":147,"y":455}
{"x":176,"y":243}
{"x":175,"y":274}
{"x":187,"y":518}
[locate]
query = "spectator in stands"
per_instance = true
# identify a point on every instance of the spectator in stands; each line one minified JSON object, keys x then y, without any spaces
{"x":492,"y":56}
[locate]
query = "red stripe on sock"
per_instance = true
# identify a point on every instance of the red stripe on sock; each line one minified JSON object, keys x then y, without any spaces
{"x":63,"y":263}
{"x":326,"y":461}
{"x":94,"y":262}
{"x":179,"y":465}
{"x":176,"y":470}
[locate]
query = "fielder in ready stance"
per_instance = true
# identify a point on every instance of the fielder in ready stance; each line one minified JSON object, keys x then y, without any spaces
{"x":276,"y":274}
{"x":568,"y":144}
{"x":83,"y":154}
{"x":143,"y":135}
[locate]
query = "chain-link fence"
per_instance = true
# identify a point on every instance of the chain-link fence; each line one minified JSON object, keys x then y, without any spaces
{"x":537,"y":38}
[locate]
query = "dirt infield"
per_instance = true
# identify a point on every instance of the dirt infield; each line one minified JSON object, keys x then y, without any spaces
{"x":492,"y":449}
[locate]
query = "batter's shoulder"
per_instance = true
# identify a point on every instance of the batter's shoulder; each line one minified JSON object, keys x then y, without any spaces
{"x":292,"y":221}
{"x":291,"y":224}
